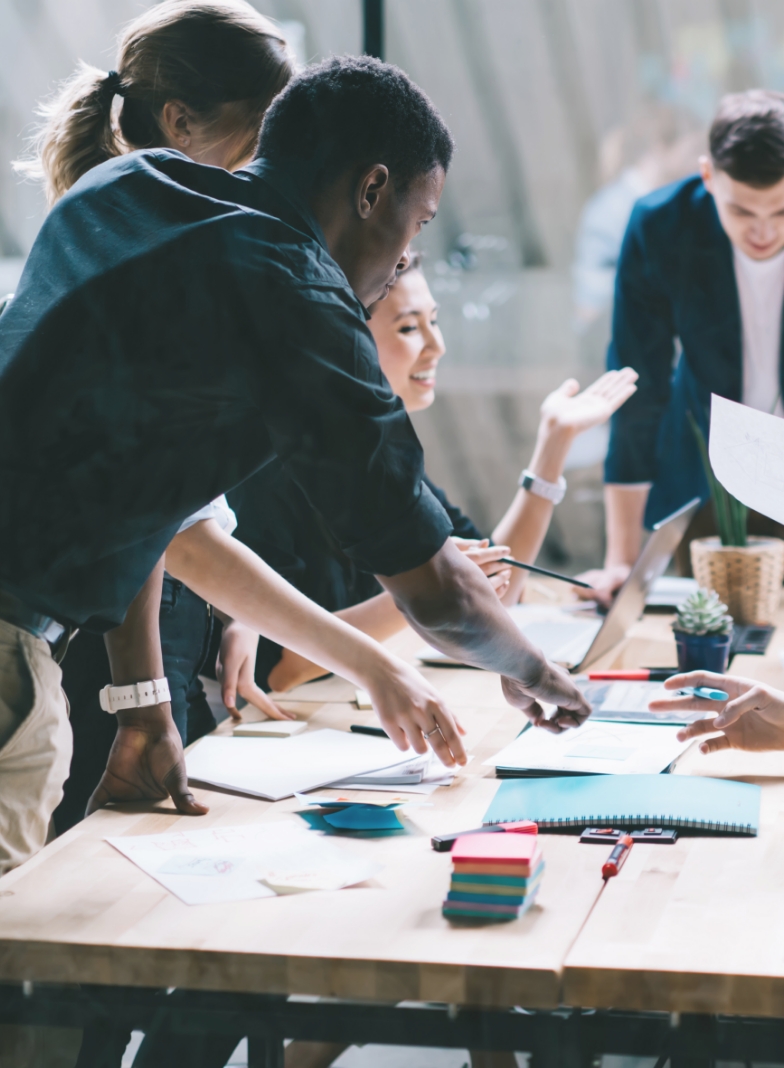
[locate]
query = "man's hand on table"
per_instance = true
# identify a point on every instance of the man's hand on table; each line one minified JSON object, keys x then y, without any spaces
{"x":554,"y":687}
{"x":752,"y":718}
{"x":146,"y":762}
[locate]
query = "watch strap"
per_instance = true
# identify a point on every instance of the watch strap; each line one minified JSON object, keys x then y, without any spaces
{"x":138,"y":695}
{"x":551,"y":491}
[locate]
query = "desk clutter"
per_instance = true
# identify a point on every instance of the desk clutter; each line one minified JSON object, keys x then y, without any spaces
{"x":266,"y":768}
{"x":494,"y":876}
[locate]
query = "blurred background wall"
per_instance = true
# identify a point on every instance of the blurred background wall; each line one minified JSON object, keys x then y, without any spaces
{"x":564,"y":112}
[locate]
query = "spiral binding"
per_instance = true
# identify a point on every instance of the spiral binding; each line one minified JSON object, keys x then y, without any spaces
{"x":638,"y":821}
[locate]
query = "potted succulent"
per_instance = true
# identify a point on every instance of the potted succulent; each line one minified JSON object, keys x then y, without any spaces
{"x":703,"y":632}
{"x":746,"y":572}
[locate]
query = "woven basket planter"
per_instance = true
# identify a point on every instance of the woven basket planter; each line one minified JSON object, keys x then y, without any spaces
{"x":748,"y":580}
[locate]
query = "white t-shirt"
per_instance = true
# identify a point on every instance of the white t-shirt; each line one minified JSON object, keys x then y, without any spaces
{"x":218,"y":510}
{"x":761,"y":294}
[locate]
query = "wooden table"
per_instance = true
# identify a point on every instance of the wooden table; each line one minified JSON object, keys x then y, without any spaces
{"x":696,"y":927}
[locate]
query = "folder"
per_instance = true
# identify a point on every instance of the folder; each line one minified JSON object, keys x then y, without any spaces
{"x":685,"y":802}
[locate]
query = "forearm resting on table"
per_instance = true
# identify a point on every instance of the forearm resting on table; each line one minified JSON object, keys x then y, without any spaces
{"x":452,"y":605}
{"x":377,"y":617}
{"x":233,"y":579}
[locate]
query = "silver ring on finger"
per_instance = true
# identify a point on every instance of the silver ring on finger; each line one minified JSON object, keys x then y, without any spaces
{"x":435,"y":730}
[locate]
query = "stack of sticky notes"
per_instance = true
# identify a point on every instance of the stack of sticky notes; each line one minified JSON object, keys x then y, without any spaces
{"x":494,"y":876}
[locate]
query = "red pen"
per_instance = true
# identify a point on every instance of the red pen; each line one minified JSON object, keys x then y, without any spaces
{"x":635,"y":674}
{"x":617,"y":858}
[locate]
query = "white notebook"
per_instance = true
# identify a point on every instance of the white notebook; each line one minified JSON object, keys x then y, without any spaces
{"x":262,"y":767}
{"x":597,"y":748}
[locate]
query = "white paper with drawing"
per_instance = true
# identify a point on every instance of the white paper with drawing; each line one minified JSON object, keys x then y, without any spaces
{"x":234,"y":863}
{"x":597,"y":748}
{"x":747,"y":455}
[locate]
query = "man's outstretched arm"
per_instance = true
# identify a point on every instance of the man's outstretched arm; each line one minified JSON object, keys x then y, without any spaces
{"x":146,"y":758}
{"x":451,"y":604}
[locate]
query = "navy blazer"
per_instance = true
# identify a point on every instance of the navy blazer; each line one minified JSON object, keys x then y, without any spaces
{"x":675,"y":292}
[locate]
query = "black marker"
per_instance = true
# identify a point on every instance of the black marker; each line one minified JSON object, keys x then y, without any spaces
{"x":377,"y":732}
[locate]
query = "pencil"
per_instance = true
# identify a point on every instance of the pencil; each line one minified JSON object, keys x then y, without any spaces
{"x":544,"y":571}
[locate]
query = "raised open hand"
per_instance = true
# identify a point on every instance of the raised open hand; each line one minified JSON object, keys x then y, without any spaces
{"x":569,"y":409}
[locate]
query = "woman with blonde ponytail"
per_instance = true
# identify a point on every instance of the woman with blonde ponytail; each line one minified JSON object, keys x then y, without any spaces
{"x":194,"y":75}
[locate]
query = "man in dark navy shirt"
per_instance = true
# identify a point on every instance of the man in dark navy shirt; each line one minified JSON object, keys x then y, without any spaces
{"x":175,"y":328}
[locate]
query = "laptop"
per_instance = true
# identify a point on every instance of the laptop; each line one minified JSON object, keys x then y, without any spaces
{"x":576,"y":643}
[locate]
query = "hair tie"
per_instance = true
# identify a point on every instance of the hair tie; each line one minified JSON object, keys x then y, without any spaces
{"x":113,"y":84}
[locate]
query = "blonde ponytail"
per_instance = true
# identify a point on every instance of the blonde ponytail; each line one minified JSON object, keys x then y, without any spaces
{"x":204,"y":53}
{"x":76,"y":134}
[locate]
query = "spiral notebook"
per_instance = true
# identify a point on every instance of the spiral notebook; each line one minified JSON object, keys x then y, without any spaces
{"x":686,"y":802}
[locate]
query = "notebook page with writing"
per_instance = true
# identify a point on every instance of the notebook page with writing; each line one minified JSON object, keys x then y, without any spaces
{"x":629,"y":801}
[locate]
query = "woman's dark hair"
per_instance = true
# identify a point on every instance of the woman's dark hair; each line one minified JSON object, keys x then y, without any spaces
{"x":747,"y":137}
{"x":349,"y":112}
{"x":204,"y":53}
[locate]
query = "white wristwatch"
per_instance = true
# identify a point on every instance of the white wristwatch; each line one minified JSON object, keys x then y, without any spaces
{"x":137,"y":695}
{"x":551,"y":491}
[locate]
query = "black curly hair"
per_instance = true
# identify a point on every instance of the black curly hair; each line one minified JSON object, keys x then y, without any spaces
{"x":352,"y":111}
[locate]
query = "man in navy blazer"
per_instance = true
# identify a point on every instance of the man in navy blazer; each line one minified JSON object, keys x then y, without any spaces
{"x":698,"y":310}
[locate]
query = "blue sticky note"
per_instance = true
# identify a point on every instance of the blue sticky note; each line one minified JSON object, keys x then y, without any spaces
{"x":364,"y":818}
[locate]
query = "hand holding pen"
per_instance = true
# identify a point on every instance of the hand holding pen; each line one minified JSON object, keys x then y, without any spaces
{"x":751,"y":717}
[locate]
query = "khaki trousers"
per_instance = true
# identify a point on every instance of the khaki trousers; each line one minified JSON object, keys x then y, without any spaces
{"x":35,"y":744}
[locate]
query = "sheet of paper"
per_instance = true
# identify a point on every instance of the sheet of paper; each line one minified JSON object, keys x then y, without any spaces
{"x":747,"y":455}
{"x":229,"y":863}
{"x":263,"y":767}
{"x":596,"y":748}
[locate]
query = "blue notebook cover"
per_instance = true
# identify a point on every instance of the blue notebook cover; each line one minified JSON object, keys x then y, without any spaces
{"x":629,"y":801}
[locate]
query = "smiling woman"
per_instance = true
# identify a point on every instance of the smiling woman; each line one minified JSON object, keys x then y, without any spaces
{"x":279,"y":523}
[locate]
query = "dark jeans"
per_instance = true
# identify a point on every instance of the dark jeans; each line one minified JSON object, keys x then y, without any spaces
{"x":186,"y":629}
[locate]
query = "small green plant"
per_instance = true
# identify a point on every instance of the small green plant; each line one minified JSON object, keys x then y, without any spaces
{"x":731,"y":515}
{"x":703,"y":613}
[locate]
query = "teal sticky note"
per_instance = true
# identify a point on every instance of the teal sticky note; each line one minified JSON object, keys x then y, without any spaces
{"x":364,"y":818}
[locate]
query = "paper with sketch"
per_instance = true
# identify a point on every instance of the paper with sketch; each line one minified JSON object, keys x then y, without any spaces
{"x":234,"y":863}
{"x":597,"y":748}
{"x":267,"y":768}
{"x":747,"y":455}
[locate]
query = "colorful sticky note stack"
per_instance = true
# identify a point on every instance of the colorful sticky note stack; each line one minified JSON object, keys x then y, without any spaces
{"x":494,"y":876}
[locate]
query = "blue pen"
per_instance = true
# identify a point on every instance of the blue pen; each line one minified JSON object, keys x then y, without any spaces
{"x":705,"y":692}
